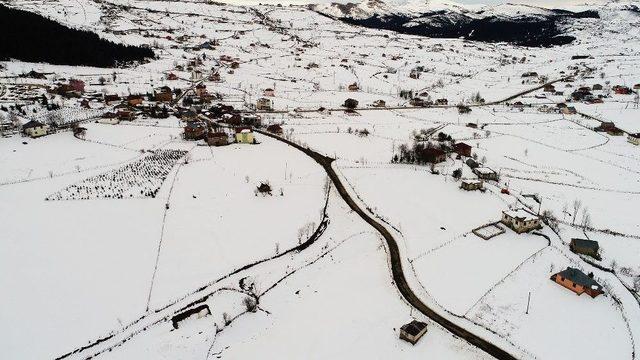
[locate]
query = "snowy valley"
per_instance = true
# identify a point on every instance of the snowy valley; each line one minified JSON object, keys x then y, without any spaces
{"x":304,"y":182}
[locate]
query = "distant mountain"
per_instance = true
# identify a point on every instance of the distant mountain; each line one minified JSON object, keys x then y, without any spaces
{"x":517,"y":24}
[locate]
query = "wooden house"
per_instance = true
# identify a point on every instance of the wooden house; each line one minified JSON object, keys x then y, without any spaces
{"x":111,"y":99}
{"x":126,"y":115}
{"x":521,"y":220}
{"x":76,"y":85}
{"x":578,"y":282}
{"x":275,"y":129}
{"x":353,"y":87}
{"x":416,"y":101}
{"x":413,"y":331}
{"x":549,"y":88}
{"x":217,"y":139}
{"x":163,"y":94}
{"x":134,"y":100}
{"x":585,"y":247}
{"x":172,"y":77}
{"x":194,"y":130}
{"x":462,"y":149}
{"x":463,"y":109}
{"x":379,"y":103}
{"x":442,"y":102}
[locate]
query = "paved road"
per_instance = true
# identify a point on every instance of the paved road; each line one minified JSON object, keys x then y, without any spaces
{"x":395,"y":257}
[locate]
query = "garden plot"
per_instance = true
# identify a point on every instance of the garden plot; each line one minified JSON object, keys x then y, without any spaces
{"x":138,"y":179}
{"x":560,"y":325}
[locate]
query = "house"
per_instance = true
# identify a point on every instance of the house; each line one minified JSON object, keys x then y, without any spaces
{"x":549,"y":88}
{"x":442,"y":102}
{"x":379,"y":103}
{"x":596,"y":87}
{"x":636,"y":87}
{"x":110,"y":118}
{"x":472,"y":125}
{"x":163,"y":94}
{"x":194,"y":130}
{"x":433,"y":155}
{"x":413,"y":331}
{"x":76,"y":85}
{"x":634,"y":138}
{"x":406,"y":94}
{"x":471,"y":184}
{"x":463,"y":109}
{"x":472,"y":164}
{"x":126,"y":115}
{"x":198,"y":312}
{"x":134,"y":100}
{"x":353,"y":87}
{"x":110,"y":99}
{"x":264,"y":104}
{"x":621,"y":90}
{"x":189,"y":115}
{"x":605,"y":126}
{"x":569,"y":110}
{"x":615,"y":131}
{"x":269,"y":92}
{"x":217,"y":139}
{"x":416,"y":101}
{"x":462,"y":149}
{"x":518,"y":105}
{"x":578,"y":282}
{"x":215,"y":77}
{"x":275,"y":129}
{"x":486,"y":173}
{"x":35,"y":129}
{"x":251,"y":120}
{"x":201,"y":90}
{"x":235,"y":65}
{"x":414,"y":74}
{"x":530,"y":74}
{"x":172,"y":77}
{"x":520,"y":220}
{"x":196,"y":75}
{"x":244,"y":135}
{"x":585,"y":247}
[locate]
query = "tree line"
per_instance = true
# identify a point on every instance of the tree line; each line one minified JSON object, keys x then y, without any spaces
{"x":30,"y":37}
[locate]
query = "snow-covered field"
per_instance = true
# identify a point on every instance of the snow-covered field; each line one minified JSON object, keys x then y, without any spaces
{"x":192,"y":229}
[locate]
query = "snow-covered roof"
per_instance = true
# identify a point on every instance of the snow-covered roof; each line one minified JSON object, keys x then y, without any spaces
{"x":485,"y":170}
{"x":520,"y":214}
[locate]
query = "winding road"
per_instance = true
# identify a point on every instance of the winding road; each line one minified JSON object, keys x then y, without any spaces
{"x":395,"y":258}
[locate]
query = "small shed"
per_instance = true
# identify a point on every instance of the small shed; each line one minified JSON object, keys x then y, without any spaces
{"x":471,"y":184}
{"x":413,"y":331}
{"x":462,"y":149}
{"x":275,"y":129}
{"x":198,"y":312}
{"x":585,"y":247}
{"x":486,"y":173}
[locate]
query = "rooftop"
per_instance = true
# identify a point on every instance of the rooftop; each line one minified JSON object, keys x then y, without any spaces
{"x":521,"y":214}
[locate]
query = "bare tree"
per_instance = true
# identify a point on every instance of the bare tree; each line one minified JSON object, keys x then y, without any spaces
{"x":577,"y":204}
{"x":586,"y":218}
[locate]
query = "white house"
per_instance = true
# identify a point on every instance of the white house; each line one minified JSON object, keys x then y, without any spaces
{"x":35,"y":129}
{"x":521,"y":220}
{"x":264,"y":104}
{"x":634,"y":138}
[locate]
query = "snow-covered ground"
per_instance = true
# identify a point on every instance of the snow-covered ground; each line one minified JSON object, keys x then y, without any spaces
{"x":123,"y":267}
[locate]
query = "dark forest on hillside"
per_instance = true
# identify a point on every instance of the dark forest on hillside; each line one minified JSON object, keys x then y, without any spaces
{"x":30,"y":37}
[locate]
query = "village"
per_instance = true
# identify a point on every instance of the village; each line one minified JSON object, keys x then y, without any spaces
{"x":223,"y":176}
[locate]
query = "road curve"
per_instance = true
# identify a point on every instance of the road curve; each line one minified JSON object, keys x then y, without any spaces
{"x":394,"y":254}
